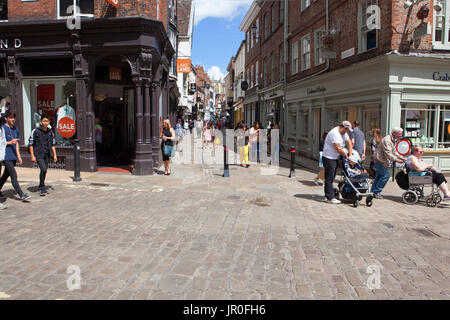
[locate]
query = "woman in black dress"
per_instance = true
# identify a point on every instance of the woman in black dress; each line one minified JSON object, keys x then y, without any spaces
{"x":168,"y":137}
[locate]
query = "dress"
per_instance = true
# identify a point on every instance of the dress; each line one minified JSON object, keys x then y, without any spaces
{"x":208,"y":134}
{"x":167,"y":133}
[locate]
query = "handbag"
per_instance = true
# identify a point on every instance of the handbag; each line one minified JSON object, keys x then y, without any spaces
{"x":217,"y":141}
{"x":168,"y":150}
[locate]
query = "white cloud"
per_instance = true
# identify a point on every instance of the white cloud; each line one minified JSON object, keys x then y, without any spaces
{"x":215,"y":73}
{"x":220,"y":8}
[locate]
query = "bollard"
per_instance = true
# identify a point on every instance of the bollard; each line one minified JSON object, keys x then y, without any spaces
{"x":292,"y":173}
{"x":76,"y":158}
{"x":226,"y":170}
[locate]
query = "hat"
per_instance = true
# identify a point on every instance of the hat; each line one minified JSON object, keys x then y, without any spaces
{"x":347,"y":124}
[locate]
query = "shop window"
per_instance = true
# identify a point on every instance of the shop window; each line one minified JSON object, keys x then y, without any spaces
{"x":295,"y":57}
{"x":55,"y":98}
{"x":318,"y":46}
{"x":368,"y":39}
{"x":304,"y":120}
{"x":256,"y":73}
{"x":444,"y":128}
{"x":265,"y":72}
{"x":306,"y":52}
{"x":86,"y":7}
{"x":3,"y":10}
{"x":418,"y":123}
{"x":441,"y":34}
{"x":5,"y":99}
{"x":257,"y":31}
{"x":293,"y":122}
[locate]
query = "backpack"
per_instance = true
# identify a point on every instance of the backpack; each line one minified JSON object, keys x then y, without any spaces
{"x":2,"y":144}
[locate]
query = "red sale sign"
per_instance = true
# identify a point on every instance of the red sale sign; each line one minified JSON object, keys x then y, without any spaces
{"x":66,"y":127}
{"x":46,"y":100}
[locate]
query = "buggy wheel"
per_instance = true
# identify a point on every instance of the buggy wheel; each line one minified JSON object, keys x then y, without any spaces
{"x":437,"y":198}
{"x":369,"y":201}
{"x":410,"y":197}
{"x":431,"y":202}
{"x":355,"y":203}
{"x":336,"y":193}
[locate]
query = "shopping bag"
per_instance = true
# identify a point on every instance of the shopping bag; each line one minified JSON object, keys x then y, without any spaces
{"x":217,"y":141}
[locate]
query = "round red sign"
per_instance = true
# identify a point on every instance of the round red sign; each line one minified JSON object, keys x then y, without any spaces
{"x":403,"y":147}
{"x":66,"y":127}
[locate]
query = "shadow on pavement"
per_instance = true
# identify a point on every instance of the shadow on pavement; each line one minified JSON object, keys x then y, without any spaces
{"x":308,"y":183}
{"x":314,"y":197}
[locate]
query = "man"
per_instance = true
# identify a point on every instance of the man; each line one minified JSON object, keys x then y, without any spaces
{"x":332,"y":149}
{"x":358,"y":140}
{"x":384,"y":155}
{"x":12,"y":155}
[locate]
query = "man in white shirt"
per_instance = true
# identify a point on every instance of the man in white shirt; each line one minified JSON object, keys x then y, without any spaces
{"x":332,"y":149}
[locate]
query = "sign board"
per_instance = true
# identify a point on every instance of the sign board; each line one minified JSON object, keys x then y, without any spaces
{"x":115,"y":73}
{"x":66,"y":127}
{"x":183,"y":65}
{"x":328,"y":54}
{"x":403,"y":147}
{"x":46,"y":100}
{"x":347,"y":53}
{"x":114,"y":3}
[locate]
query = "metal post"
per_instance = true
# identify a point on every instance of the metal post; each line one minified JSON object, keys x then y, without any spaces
{"x":292,"y":173}
{"x":226,"y":170}
{"x":394,"y":164}
{"x":76,"y":151}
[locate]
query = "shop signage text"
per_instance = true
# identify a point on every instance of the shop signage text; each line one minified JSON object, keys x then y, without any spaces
{"x":6,"y":43}
{"x":66,"y":127}
{"x":316,"y":90}
{"x":183,"y":65}
{"x":439,"y":77}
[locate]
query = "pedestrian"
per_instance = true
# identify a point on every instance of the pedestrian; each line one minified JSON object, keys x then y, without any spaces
{"x":199,"y":128}
{"x":2,"y":155}
{"x":242,"y":143}
{"x":213,"y":136}
{"x":98,"y":138}
{"x":186,"y":127}
{"x":254,"y":147}
{"x":358,"y":140}
{"x":275,"y":144}
{"x":12,"y":155}
{"x":376,"y":133}
{"x":320,"y":178}
{"x":332,"y":149}
{"x":206,"y":135}
{"x":191,"y":126}
{"x":178,"y":135}
{"x":384,"y":157}
{"x":42,"y":149}
{"x":168,"y":137}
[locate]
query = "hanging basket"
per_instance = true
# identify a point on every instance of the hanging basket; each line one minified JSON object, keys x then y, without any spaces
{"x":423,"y":12}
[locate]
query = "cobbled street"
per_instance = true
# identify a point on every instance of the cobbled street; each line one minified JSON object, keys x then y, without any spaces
{"x":197,"y":235}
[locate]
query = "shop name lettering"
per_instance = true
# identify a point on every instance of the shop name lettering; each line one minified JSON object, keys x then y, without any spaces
{"x":316,"y":90}
{"x":6,"y":43}
{"x":438,"y":77}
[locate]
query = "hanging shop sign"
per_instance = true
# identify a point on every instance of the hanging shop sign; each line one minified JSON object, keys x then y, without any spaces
{"x":10,"y":43}
{"x":403,"y":147}
{"x":114,"y":3}
{"x":183,"y":65}
{"x":66,"y":127}
{"x":115,"y":73}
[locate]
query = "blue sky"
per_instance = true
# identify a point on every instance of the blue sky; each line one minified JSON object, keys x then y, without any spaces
{"x":216,"y":33}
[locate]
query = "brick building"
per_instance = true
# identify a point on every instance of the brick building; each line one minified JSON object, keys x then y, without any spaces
{"x":382,"y":62}
{"x":116,"y":65}
{"x":203,"y":86}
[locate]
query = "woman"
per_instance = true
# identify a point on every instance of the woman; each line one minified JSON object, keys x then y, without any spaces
{"x":179,"y":135}
{"x":416,"y":164}
{"x":377,"y":137}
{"x":168,"y":137}
{"x":242,"y":142}
{"x":213,"y":136}
{"x":254,"y":132}
{"x":318,"y":180}
{"x":206,"y":135}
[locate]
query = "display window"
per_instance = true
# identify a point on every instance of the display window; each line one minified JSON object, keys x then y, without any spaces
{"x":418,"y":123}
{"x":444,"y":128}
{"x":55,"y":98}
{"x":5,"y":99}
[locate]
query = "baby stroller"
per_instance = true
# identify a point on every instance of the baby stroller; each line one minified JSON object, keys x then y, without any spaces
{"x":414,"y":184}
{"x":354,"y":184}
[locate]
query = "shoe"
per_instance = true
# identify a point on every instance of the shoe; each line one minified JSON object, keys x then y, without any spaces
{"x":334,"y":201}
{"x":316,"y":182}
{"x":42,"y":192}
{"x":377,"y":196}
{"x":241,"y":165}
{"x":247,"y":166}
{"x":25,"y":197}
{"x":2,"y":206}
{"x":446,"y":199}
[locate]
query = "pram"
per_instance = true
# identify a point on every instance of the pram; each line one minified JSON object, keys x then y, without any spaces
{"x":353,"y":186}
{"x":414,"y":184}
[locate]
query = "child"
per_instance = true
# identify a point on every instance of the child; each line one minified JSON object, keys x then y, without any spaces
{"x":354,"y":167}
{"x":42,"y":148}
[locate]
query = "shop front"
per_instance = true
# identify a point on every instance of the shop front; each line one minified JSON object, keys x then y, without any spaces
{"x":110,"y":78}
{"x":384,"y":92}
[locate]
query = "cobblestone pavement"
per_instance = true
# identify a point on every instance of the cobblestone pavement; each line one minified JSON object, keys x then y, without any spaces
{"x":197,"y":235}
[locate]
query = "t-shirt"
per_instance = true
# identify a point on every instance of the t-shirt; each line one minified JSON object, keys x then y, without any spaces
{"x":11,"y":133}
{"x":334,"y":136}
{"x":358,"y":135}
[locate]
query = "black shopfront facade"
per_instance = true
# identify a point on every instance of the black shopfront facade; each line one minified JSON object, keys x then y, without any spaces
{"x":111,"y":74}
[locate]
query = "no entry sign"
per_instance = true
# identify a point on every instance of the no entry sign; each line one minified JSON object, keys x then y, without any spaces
{"x":403,"y":147}
{"x":66,"y":127}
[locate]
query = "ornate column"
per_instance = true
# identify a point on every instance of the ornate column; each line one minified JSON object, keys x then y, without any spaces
{"x":156,"y":92}
{"x":147,"y":118}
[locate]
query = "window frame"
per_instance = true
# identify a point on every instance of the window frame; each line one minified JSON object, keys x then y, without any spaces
{"x":362,"y":19}
{"x":7,"y":18}
{"x":303,"y":54}
{"x":294,"y":58}
{"x":305,"y":4}
{"x":281,"y":61}
{"x":272,"y":18}
{"x":444,"y":44}
{"x":82,"y":15}
{"x":318,"y":44}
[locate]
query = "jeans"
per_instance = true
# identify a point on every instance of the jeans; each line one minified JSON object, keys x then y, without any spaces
{"x":10,"y":172}
{"x":381,"y":178}
{"x":43,"y":165}
{"x":330,"y":166}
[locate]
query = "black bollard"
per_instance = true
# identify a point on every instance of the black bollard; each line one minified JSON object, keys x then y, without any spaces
{"x":292,"y":173}
{"x":76,"y":158}
{"x":226,"y":170}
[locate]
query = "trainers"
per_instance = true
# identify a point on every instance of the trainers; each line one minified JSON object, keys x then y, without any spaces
{"x":377,"y":196}
{"x":25,"y":197}
{"x":334,"y":201}
{"x":446,"y":199}
{"x":42,"y":192}
{"x":2,"y":206}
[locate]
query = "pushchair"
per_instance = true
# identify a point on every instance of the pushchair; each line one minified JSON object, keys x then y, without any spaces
{"x":353,"y":186}
{"x":414,"y":183}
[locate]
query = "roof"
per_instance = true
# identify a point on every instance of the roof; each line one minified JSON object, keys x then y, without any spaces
{"x":184,"y":12}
